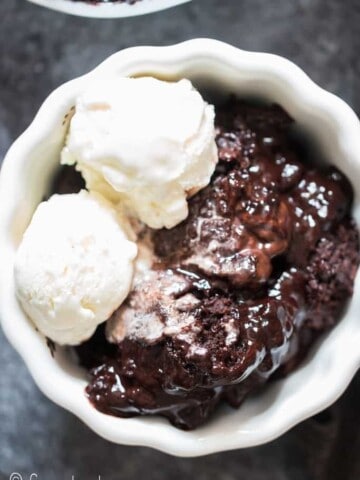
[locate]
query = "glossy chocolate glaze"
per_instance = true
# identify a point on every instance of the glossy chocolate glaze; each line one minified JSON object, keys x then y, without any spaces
{"x":263,"y":264}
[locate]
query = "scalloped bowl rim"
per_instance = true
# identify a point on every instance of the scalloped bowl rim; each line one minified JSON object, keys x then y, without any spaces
{"x":331,"y":364}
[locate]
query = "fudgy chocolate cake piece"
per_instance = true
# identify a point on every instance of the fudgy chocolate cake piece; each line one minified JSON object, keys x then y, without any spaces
{"x":67,"y":180}
{"x":238,"y":292}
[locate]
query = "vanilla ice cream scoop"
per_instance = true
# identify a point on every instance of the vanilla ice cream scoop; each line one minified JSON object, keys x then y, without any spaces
{"x":145,"y":142}
{"x":74,"y":266}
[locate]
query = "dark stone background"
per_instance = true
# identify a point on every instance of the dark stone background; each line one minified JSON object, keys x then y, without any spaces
{"x":39,"y":50}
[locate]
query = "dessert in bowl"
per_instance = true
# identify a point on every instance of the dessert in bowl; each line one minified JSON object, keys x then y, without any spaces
{"x":235,"y":287}
{"x":108,"y":8}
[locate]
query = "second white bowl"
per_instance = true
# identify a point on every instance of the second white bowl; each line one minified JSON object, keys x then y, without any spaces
{"x":107,"y":10}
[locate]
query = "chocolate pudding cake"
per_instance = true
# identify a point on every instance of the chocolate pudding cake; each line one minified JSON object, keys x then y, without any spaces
{"x":236,"y":293}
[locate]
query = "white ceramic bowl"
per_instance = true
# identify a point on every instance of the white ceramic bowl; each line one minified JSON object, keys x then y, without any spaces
{"x":214,"y":67}
{"x":115,"y":10}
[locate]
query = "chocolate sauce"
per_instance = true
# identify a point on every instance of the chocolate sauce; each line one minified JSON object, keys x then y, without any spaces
{"x":263,"y":264}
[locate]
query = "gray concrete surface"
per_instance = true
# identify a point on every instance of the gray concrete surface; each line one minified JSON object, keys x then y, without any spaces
{"x":39,"y":50}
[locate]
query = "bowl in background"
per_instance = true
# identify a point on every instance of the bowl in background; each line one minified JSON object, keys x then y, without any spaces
{"x":108,"y":10}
